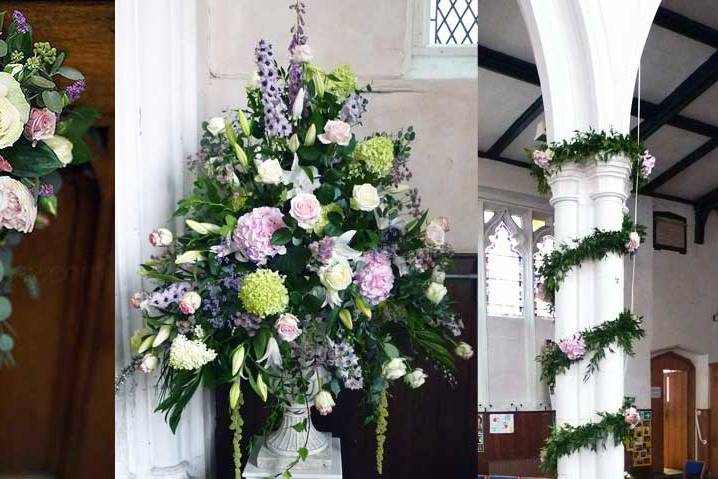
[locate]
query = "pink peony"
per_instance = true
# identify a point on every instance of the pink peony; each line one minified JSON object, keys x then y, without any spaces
{"x":287,"y":327}
{"x":18,"y":210}
{"x":376,"y":279}
{"x":40,"y":125}
{"x":305,"y":208}
{"x":648,"y":161}
{"x":252,"y":237}
{"x":574,"y":348}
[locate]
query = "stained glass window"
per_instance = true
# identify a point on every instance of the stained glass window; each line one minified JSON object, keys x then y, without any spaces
{"x":454,"y":22}
{"x":504,"y":273}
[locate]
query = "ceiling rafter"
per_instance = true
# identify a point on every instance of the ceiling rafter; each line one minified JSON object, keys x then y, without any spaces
{"x":517,"y":127}
{"x":686,"y":27}
{"x":682,"y":165}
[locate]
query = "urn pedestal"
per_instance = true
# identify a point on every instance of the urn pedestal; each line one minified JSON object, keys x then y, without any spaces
{"x":274,"y":453}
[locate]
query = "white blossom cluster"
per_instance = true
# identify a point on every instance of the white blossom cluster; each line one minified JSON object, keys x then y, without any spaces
{"x":189,"y":354}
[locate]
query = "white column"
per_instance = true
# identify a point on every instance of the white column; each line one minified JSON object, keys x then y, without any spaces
{"x":587,"y":53}
{"x":157,"y":128}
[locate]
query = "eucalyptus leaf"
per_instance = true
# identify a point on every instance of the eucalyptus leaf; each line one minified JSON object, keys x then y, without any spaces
{"x":70,"y":73}
{"x":5,"y":308}
{"x":53,"y":100}
{"x":42,"y":82}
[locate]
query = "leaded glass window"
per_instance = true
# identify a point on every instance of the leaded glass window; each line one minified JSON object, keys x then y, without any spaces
{"x":504,"y":273}
{"x":454,"y":22}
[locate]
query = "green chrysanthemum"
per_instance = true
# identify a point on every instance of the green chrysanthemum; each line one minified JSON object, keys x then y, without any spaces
{"x":341,"y":82}
{"x":377,"y":155}
{"x":263,"y":293}
{"x":323,"y":220}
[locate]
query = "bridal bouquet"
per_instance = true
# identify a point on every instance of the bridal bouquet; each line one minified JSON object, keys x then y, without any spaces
{"x":307,"y":266}
{"x":38,"y":135}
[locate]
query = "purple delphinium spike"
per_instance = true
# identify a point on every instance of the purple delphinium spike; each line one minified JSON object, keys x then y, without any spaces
{"x":20,"y":21}
{"x":275,"y":110}
{"x":295,"y":76}
{"x":75,"y":90}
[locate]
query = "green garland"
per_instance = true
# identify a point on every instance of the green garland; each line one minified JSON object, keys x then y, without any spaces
{"x":594,"y":247}
{"x":584,"y":148}
{"x":568,"y":439}
{"x":382,"y":414}
{"x":619,"y":333}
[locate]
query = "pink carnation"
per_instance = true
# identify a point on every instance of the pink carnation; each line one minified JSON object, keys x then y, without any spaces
{"x":252,"y":237}
{"x":17,"y":206}
{"x":376,"y":279}
{"x":574,"y":348}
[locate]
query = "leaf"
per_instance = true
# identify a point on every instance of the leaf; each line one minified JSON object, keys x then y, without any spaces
{"x":42,"y":82}
{"x":5,"y":308}
{"x":259,"y":342}
{"x":29,"y":161}
{"x":53,"y":100}
{"x":391,"y":351}
{"x":291,"y":263}
{"x":303,"y":453}
{"x":286,"y":475}
{"x":3,"y":48}
{"x":300,"y":426}
{"x":77,"y":120}
{"x":325,"y":193}
{"x":70,"y":73}
{"x":282,"y":236}
{"x":80,"y":151}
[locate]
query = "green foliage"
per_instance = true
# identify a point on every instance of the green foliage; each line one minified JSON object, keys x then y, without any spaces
{"x":236,"y":423}
{"x":382,"y":423}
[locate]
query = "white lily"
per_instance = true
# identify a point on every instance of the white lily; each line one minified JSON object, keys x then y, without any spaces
{"x":299,"y":179}
{"x":384,"y":223}
{"x":342,"y":250}
{"x":272,"y":356}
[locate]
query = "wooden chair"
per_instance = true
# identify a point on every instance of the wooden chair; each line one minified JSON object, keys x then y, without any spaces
{"x":695,"y":470}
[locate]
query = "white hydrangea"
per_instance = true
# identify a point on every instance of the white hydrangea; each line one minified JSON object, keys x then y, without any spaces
{"x":187,"y":354}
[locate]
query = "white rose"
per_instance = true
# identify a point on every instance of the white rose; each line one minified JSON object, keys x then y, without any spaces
{"x":435,"y":292}
{"x":438,"y":276}
{"x":394,"y":369}
{"x":302,"y":54}
{"x":464,"y":351}
{"x":215,"y":125}
{"x":62,"y":147}
{"x":336,"y":276}
{"x":14,"y":110}
{"x":190,"y":302}
{"x":149,"y":363}
{"x":435,"y":234}
{"x":364,"y":197}
{"x":416,"y":378}
{"x":18,"y":210}
{"x":269,"y":172}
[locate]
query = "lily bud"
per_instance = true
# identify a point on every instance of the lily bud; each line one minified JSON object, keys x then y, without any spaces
{"x":311,"y":135}
{"x":234,"y":393}
{"x":244,"y":123}
{"x":298,"y":106}
{"x":293,"y":143}
{"x":237,"y":359}
{"x":229,"y":131}
{"x":241,"y":155}
{"x":362,"y":306}
{"x":318,"y":80}
{"x":146,"y":344}
{"x":262,"y":388}
{"x":203,"y":228}
{"x":191,"y":256}
{"x":162,"y":335}
{"x":346,"y":318}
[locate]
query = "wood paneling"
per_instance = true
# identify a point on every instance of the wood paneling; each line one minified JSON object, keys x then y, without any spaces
{"x":713,"y":434}
{"x":56,"y":406}
{"x":675,"y":419}
{"x":432,"y":430}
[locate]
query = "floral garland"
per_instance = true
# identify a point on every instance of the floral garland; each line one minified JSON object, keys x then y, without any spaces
{"x":586,"y":147}
{"x":621,"y":333}
{"x":40,"y":133}
{"x":567,"y":439}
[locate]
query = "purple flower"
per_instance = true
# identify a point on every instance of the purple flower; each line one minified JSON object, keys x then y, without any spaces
{"x":376,"y":279}
{"x":252,"y":237}
{"x":275,"y":110}
{"x":20,"y":21}
{"x":574,"y":348}
{"x":249,"y":322}
{"x":75,"y":90}
{"x":169,"y":296}
{"x":353,"y":108}
{"x":323,"y":249}
{"x":44,"y":189}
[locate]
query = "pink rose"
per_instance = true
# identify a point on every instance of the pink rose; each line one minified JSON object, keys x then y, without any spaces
{"x":161,"y":237}
{"x":18,"y":210}
{"x":287,"y":327}
{"x":5,"y":165}
{"x":40,"y":125}
{"x":435,"y":234}
{"x":136,"y":299}
{"x":336,"y":131}
{"x":190,"y":302}
{"x":305,"y":208}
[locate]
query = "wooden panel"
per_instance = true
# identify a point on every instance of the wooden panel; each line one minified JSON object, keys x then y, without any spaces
{"x":675,"y":417}
{"x":56,"y":406}
{"x":432,"y":431}
{"x":713,"y":436}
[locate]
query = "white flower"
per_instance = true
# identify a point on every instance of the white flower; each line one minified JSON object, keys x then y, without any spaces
{"x":62,"y":147}
{"x":436,"y":232}
{"x":302,"y":54}
{"x":190,"y":302}
{"x":287,"y":327}
{"x":299,"y":179}
{"x":14,"y":110}
{"x":464,"y":351}
{"x":342,"y":250}
{"x":269,"y":172}
{"x":336,"y":131}
{"x":438,"y":276}
{"x":189,"y":257}
{"x":161,"y":237}
{"x":298,"y":105}
{"x":634,"y":242}
{"x":149,"y":363}
{"x":272,"y":356}
{"x":394,"y":369}
{"x":215,"y":125}
{"x":324,"y":402}
{"x":364,"y":197}
{"x":435,"y":292}
{"x":305,"y":208}
{"x":189,"y":355}
{"x":336,"y":276}
{"x":416,"y":378}
{"x":18,"y":210}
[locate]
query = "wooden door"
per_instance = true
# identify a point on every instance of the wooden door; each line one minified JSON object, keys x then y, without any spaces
{"x":675,"y":414}
{"x":56,"y":405}
{"x":713,"y":436}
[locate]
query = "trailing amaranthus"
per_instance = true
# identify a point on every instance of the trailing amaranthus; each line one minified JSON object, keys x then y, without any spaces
{"x":382,"y":414}
{"x":236,"y":423}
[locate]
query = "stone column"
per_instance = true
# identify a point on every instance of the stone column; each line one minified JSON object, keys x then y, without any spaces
{"x":587,"y":54}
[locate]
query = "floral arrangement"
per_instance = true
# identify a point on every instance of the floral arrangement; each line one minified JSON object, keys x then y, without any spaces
{"x":585,"y":147}
{"x":307,"y":264}
{"x":38,"y":136}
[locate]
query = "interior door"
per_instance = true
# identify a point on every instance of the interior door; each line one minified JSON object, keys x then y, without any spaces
{"x":675,"y":419}
{"x":56,"y":405}
{"x":713,"y":440}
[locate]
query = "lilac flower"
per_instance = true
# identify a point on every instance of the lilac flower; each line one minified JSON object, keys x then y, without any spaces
{"x":275,"y":110}
{"x":20,"y":21}
{"x":249,"y":322}
{"x":346,"y":362}
{"x":376,"y":280}
{"x":353,"y":108}
{"x":75,"y":90}
{"x":44,"y":189}
{"x":574,"y":347}
{"x":323,"y":249}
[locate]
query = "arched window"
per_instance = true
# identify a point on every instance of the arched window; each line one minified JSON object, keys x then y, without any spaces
{"x":543,"y":245}
{"x":504,"y":268}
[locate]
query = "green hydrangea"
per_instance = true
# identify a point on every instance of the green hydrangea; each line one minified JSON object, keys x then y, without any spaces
{"x":377,"y":155}
{"x":323,"y":220}
{"x":263,"y":293}
{"x":341,"y":82}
